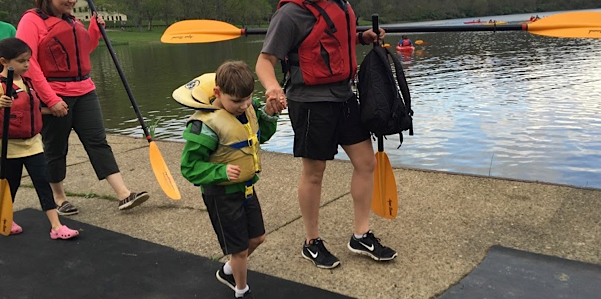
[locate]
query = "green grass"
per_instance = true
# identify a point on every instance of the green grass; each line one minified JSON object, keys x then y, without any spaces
{"x":78,"y":194}
{"x":128,"y":37}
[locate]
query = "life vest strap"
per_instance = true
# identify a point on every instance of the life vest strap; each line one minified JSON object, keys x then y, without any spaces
{"x":67,"y":79}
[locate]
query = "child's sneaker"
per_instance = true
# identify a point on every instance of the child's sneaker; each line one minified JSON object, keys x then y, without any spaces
{"x":247,"y":295}
{"x":227,"y":280}
{"x":67,"y":209}
{"x":134,"y":199}
{"x":15,"y":229}
{"x":316,"y":252}
{"x":370,"y":245}
{"x":63,"y":233}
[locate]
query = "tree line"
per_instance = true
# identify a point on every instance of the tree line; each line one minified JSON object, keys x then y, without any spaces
{"x":146,"y":13}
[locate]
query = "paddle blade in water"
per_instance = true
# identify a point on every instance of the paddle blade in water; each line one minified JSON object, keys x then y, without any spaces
{"x":162,"y":172}
{"x":6,"y":208}
{"x":580,"y":24}
{"x":384,"y":200}
{"x":199,"y":31}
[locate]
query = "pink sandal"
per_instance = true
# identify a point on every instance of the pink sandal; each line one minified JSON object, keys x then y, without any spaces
{"x":15,"y":229}
{"x":63,"y":233}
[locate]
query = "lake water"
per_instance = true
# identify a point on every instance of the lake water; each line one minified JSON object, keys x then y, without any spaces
{"x":505,"y":104}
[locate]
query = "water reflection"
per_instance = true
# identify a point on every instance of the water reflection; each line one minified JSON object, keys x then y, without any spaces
{"x":508,"y":104}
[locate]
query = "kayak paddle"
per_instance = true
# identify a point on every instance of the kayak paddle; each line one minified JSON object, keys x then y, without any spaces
{"x":6,"y":200}
{"x":384,"y":199}
{"x":579,"y":24}
{"x":159,"y":167}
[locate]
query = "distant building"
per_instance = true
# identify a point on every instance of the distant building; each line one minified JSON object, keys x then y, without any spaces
{"x":82,"y":12}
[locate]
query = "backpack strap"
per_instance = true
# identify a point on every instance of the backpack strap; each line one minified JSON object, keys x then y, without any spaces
{"x":402,"y":83}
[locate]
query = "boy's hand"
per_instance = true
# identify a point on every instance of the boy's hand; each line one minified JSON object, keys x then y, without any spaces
{"x":5,"y":101}
{"x":233,"y":172}
{"x":273,"y":106}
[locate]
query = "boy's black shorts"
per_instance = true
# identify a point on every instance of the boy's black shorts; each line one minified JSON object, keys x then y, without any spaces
{"x":235,"y":222}
{"x":319,"y":127}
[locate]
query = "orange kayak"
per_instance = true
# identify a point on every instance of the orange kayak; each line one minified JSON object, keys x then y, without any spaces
{"x":405,"y":49}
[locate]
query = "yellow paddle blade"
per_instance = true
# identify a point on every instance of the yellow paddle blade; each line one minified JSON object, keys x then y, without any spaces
{"x":419,"y":42}
{"x":384,"y":201}
{"x":6,"y":208}
{"x":199,"y":31}
{"x":583,"y":24}
{"x":161,"y":172}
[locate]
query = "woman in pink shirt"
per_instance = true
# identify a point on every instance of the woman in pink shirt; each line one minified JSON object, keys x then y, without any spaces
{"x":60,"y":72}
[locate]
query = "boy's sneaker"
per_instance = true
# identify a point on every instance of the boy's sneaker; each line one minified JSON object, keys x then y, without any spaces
{"x":134,"y":199}
{"x":247,"y":295}
{"x":370,"y":245}
{"x":227,"y":280}
{"x":316,"y":252}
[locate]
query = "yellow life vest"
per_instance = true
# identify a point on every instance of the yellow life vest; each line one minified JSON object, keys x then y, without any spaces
{"x":238,"y":143}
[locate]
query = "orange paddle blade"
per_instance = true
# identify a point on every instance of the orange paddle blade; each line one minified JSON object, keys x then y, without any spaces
{"x":384,"y":201}
{"x":161,"y":172}
{"x":199,"y":31}
{"x":6,"y":208}
{"x":580,"y":24}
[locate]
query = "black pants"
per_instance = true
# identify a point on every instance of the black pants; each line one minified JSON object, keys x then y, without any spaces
{"x":85,"y":117}
{"x":235,"y":218}
{"x":36,"y":168}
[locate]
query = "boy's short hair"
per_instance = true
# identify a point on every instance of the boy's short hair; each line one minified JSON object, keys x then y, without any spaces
{"x":235,"y":78}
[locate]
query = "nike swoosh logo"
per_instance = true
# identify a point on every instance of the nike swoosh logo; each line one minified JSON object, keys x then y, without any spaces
{"x":314,"y":255}
{"x":370,"y":248}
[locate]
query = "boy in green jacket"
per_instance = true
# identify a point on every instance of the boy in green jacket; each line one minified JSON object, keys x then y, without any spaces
{"x":221,"y":156}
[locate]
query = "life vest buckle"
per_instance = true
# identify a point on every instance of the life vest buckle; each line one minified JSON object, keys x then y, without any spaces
{"x":248,"y":191}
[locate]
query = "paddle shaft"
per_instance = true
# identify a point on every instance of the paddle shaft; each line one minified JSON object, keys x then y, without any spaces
{"x":6,"y":122}
{"x":375,"y":27}
{"x":401,"y":28}
{"x":122,"y":75}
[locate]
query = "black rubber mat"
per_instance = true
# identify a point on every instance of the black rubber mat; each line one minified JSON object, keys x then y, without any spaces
{"x":510,"y":273}
{"x":104,"y":264}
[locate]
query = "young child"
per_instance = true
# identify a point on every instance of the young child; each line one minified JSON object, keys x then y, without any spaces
{"x":221,"y":156}
{"x":25,"y":141}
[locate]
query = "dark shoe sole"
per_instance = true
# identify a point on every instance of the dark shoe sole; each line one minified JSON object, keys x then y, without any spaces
{"x":136,"y":202}
{"x":67,"y":213}
{"x":363,"y":252}
{"x":336,"y":264}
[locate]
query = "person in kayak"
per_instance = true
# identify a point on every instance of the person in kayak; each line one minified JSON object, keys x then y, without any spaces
{"x":405,"y":41}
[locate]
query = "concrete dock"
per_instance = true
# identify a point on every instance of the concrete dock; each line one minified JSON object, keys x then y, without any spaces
{"x":445,"y":225}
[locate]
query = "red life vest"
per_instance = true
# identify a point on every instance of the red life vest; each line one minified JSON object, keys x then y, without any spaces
{"x":64,"y":54}
{"x":327,"y":54}
{"x":25,"y":113}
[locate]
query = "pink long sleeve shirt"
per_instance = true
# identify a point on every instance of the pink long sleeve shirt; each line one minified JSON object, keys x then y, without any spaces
{"x":32,"y":30}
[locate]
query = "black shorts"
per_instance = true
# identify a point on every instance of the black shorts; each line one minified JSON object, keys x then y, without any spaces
{"x":319,"y":127}
{"x":234,"y":219}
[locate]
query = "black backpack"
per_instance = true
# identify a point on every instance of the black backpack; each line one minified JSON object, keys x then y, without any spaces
{"x":385,"y":105}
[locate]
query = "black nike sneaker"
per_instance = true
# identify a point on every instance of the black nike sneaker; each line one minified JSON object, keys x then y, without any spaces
{"x":226,"y":279}
{"x":370,"y":245}
{"x":316,"y":252}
